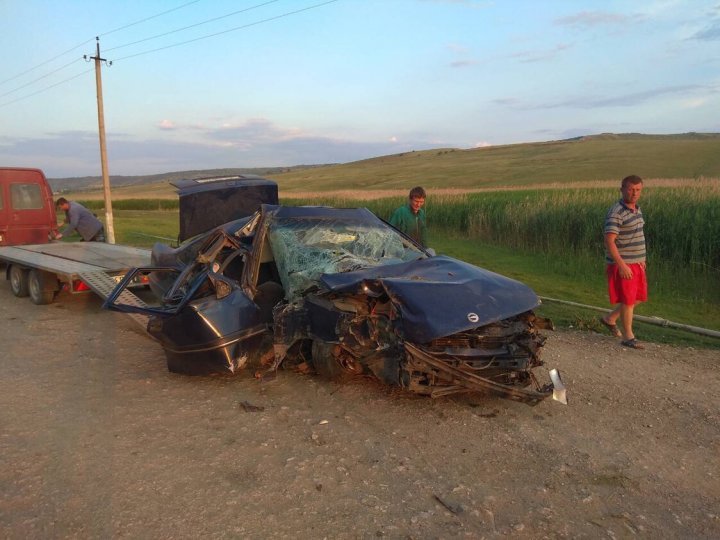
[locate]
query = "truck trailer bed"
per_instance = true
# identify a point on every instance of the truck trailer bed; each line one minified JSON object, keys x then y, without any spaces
{"x":70,"y":259}
{"x":80,"y":266}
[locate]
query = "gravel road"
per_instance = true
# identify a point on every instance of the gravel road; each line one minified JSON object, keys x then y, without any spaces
{"x":98,"y":440}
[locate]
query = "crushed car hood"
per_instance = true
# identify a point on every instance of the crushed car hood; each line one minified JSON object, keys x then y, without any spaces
{"x":440,"y":296}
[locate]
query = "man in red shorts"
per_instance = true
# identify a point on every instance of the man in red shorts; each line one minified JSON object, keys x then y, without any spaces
{"x":625,"y":257}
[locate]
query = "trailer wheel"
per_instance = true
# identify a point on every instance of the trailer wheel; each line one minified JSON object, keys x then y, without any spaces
{"x":42,"y":287}
{"x":19,"y":281}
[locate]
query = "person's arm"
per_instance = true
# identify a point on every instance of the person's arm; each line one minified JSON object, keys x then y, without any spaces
{"x":73,"y":218}
{"x":612,"y":250}
{"x":395,"y":219}
{"x":423,"y":231}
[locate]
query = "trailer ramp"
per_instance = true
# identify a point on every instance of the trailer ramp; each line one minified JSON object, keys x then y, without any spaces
{"x":103,"y":284}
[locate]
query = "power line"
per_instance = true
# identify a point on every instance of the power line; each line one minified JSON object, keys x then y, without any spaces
{"x":40,"y":78}
{"x":45,"y":62}
{"x":282,"y":15}
{"x":191,"y":26}
{"x":85,"y":43}
{"x":229,"y":30}
{"x":46,"y":88}
{"x":149,"y":18}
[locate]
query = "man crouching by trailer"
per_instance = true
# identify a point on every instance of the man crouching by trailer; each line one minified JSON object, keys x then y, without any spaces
{"x":80,"y":219}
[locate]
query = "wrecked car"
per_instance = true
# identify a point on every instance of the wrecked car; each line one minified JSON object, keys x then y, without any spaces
{"x":343,"y":293}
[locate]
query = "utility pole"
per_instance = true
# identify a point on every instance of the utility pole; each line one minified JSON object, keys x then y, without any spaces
{"x":109,"y":228}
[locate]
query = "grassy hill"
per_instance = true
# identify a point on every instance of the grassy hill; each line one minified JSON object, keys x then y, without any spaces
{"x":157,"y":182}
{"x":585,"y":159}
{"x":606,"y":157}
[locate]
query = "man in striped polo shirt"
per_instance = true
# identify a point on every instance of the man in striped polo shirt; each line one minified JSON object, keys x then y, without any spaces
{"x":625,"y":257}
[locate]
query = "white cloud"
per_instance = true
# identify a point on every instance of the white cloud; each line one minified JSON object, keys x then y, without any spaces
{"x":457,"y":48}
{"x":475,"y":4}
{"x":167,"y":125}
{"x":595,"y":101}
{"x":587,"y":19}
{"x":709,"y":33}
{"x":693,"y":103}
{"x":482,"y":144}
{"x":541,"y":55}
{"x":463,"y":63}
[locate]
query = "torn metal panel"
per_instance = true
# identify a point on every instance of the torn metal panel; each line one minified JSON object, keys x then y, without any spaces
{"x":210,"y":335}
{"x":422,"y":361}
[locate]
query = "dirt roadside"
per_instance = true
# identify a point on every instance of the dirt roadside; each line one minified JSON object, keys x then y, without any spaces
{"x":97,"y":439}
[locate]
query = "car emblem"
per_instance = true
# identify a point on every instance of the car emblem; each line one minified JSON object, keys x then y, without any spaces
{"x":473,"y":317}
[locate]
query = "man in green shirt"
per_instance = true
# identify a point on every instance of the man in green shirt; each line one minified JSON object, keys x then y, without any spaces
{"x":410,"y":218}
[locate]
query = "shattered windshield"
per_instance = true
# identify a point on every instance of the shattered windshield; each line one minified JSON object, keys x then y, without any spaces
{"x":304,"y":249}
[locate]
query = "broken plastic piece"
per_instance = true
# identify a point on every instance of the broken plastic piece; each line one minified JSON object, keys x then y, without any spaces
{"x":559,"y":391}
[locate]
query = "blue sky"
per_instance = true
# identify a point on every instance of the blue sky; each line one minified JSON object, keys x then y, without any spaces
{"x":290,"y":82}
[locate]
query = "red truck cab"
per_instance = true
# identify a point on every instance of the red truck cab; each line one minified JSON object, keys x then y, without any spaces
{"x":27,"y":210}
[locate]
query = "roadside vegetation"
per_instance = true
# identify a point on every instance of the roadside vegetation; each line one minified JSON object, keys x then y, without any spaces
{"x":550,"y":239}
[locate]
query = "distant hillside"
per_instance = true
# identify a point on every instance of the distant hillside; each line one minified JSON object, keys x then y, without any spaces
{"x":84,"y":183}
{"x":583,"y":159}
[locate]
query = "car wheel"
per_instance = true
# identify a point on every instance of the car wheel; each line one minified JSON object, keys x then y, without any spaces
{"x":328,"y":364}
{"x":41,"y":292}
{"x":18,"y":281}
{"x":324,"y":362}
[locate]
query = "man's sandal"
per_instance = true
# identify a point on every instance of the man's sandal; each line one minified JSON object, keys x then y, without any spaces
{"x":614,"y":330}
{"x":632,"y":344}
